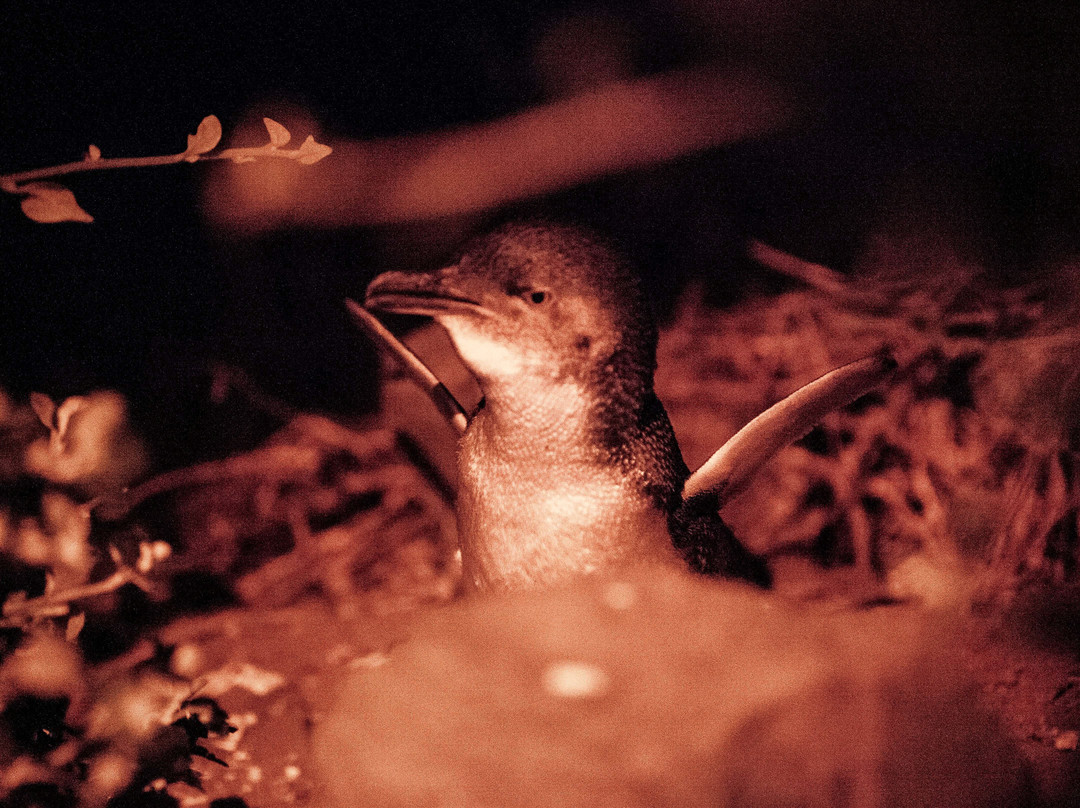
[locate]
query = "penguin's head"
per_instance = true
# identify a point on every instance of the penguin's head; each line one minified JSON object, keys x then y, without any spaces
{"x":532,"y":300}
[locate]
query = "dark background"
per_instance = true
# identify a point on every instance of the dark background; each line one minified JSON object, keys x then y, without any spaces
{"x":952,"y":114}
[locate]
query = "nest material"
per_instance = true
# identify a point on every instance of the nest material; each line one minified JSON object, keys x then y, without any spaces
{"x":355,"y":512}
{"x":966,"y":458}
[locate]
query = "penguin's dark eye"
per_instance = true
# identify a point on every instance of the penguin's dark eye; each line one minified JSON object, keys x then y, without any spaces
{"x":538,"y":297}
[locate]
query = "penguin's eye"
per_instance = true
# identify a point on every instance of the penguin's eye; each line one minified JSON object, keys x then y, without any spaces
{"x":538,"y":296}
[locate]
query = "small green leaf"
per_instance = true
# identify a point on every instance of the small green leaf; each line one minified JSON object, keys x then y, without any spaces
{"x":49,"y":203}
{"x":206,"y":137}
{"x":312,"y":152}
{"x":93,"y":153}
{"x":279,"y":135}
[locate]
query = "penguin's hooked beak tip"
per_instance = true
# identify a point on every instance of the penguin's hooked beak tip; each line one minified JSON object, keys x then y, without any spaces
{"x":417,"y":293}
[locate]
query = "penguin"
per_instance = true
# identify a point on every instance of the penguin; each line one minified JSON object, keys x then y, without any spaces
{"x":569,"y":464}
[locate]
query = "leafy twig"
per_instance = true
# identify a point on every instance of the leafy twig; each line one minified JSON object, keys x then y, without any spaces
{"x":17,"y":610}
{"x":48,"y":202}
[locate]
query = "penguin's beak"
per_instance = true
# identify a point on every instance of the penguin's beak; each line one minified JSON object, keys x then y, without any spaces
{"x":419,"y":293}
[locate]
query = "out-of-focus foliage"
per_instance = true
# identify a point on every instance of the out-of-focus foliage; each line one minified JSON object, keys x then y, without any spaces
{"x":90,"y":445}
{"x":86,"y":536}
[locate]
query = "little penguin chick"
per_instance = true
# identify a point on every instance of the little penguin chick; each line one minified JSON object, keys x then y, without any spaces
{"x":569,"y":465}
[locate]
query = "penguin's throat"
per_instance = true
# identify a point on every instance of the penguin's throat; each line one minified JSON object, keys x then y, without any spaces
{"x":491,"y":359}
{"x":535,"y":413}
{"x":520,"y":383}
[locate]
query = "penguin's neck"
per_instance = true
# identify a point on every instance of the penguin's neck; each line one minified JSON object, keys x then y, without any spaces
{"x":536,"y":415}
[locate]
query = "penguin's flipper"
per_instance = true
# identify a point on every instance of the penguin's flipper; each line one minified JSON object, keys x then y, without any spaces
{"x":420,"y":373}
{"x":727,"y":472}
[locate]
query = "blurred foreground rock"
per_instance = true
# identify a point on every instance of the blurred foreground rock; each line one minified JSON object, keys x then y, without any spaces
{"x":661,"y":689}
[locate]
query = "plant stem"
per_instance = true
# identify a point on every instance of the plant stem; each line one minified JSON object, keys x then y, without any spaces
{"x":45,"y":603}
{"x":11,"y":182}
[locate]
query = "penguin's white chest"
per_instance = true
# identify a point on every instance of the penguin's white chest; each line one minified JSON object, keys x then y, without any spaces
{"x":535,"y":508}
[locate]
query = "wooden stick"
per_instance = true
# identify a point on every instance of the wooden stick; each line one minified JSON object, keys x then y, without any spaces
{"x":420,"y":373}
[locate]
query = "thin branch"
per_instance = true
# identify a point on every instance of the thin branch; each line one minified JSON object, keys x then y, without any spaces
{"x":420,"y":373}
{"x":11,"y":182}
{"x":50,"y":203}
{"x":57,"y":604}
{"x":264,"y":462}
{"x":816,"y":276}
